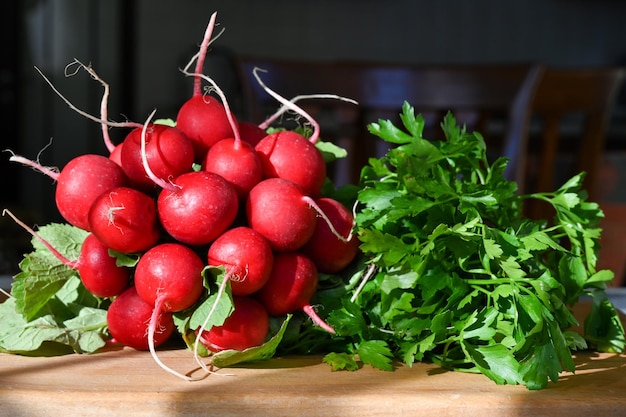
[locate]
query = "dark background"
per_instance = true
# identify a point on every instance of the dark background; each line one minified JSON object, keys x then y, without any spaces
{"x":138,"y":46}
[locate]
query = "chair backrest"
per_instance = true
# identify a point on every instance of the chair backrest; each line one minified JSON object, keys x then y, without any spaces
{"x":583,"y":95}
{"x":474,"y":93}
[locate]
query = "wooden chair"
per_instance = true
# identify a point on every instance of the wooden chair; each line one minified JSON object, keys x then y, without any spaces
{"x":584,"y":98}
{"x":474,"y":93}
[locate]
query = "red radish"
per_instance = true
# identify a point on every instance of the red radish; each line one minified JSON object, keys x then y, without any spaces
{"x":81,"y":181}
{"x":203,"y":118}
{"x":330,"y":253}
{"x":128,"y":319}
{"x":233,"y":159}
{"x":168,"y":277}
{"x":168,"y":152}
{"x":251,"y":133}
{"x":291,"y":286}
{"x":289,"y":155}
{"x":98,"y":270}
{"x":237,"y":162}
{"x":278,"y":210}
{"x":125,"y":220}
{"x":169,"y":274}
{"x":246,"y":327}
{"x":246,"y":256}
{"x":198,"y":207}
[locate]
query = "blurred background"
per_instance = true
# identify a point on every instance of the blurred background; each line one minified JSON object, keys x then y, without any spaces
{"x":138,"y":47}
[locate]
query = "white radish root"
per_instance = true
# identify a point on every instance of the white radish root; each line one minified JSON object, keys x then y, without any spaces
{"x":295,"y":99}
{"x":158,"y":306}
{"x":84,"y":113}
{"x":289,"y":105}
{"x":220,"y":294}
{"x":311,"y":202}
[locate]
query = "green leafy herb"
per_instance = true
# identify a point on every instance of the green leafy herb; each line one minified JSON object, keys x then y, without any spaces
{"x":462,"y":278}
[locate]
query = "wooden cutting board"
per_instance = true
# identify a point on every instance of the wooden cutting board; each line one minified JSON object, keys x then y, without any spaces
{"x":129,"y":383}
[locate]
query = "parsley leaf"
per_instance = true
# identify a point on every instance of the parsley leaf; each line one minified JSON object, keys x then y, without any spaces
{"x":463,"y":278}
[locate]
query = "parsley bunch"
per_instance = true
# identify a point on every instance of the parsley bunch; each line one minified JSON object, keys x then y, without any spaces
{"x":458,"y":275}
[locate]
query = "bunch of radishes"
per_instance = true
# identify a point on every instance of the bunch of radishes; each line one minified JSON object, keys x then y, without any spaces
{"x":209,"y":191}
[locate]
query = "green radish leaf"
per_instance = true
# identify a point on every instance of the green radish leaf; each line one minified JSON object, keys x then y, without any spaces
{"x":42,"y":274}
{"x":330,"y":151}
{"x":263,"y":352}
{"x":166,"y":122}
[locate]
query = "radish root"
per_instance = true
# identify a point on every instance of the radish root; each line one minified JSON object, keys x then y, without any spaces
{"x":289,"y":105}
{"x":83,"y":113}
{"x":144,"y":159}
{"x":220,"y":294}
{"x":52,"y":172}
{"x":103,"y":104}
{"x":323,"y":215}
{"x":284,"y":108}
{"x":200,"y":56}
{"x":158,"y":306}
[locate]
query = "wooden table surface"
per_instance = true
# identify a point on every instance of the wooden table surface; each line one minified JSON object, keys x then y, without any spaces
{"x":126,"y":382}
{"x":129,"y":383}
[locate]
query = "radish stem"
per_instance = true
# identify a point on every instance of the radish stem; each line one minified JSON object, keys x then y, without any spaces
{"x":367,"y":274}
{"x":56,"y":253}
{"x":310,"y":311}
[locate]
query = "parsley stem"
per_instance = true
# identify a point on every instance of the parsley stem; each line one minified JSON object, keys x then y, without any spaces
{"x":493,"y":281}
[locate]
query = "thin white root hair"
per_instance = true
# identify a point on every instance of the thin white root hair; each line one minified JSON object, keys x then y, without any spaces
{"x":267,"y":123}
{"x":83,"y":113}
{"x":220,"y":93}
{"x":151,"y":331}
{"x":196,"y":345}
{"x":52,"y":172}
{"x":291,"y":106}
{"x":367,"y":274}
{"x":323,"y":215}
{"x":144,"y":159}
{"x":104,"y":112}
